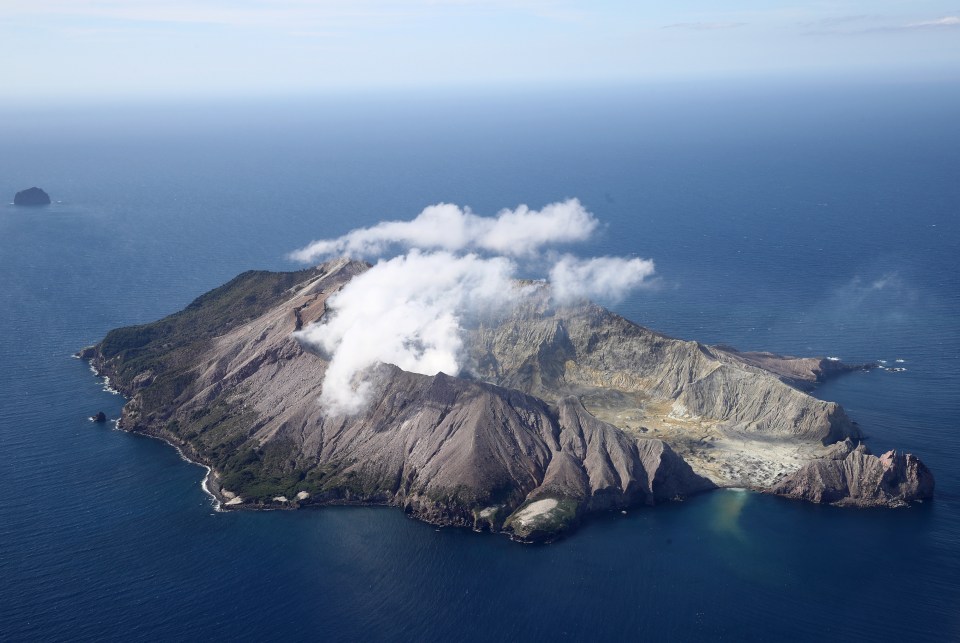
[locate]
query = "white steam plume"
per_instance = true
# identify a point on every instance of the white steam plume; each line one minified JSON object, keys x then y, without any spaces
{"x":404,"y":311}
{"x":408,"y":310}
{"x":606,"y":278}
{"x":517,"y":233}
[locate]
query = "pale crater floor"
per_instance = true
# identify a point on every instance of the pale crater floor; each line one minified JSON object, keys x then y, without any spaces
{"x":726,"y":457}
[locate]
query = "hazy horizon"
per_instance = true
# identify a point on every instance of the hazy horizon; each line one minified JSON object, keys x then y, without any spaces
{"x":109,"y":50}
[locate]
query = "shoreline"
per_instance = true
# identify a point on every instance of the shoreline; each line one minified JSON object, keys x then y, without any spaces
{"x":222,"y":503}
{"x":214,"y":500}
{"x":204,"y":484}
{"x":106,"y":378}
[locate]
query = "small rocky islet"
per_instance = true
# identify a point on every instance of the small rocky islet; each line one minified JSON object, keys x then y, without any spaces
{"x":567,"y":411}
{"x":31,"y":197}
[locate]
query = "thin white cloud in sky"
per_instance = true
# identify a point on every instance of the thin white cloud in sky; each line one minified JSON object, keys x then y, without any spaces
{"x":879,"y":25}
{"x":288,"y":13}
{"x":704,"y":26}
{"x":946,"y":21}
{"x":112,"y":48}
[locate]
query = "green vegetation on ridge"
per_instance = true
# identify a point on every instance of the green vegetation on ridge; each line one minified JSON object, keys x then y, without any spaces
{"x":163,"y":344}
{"x":167,"y":348}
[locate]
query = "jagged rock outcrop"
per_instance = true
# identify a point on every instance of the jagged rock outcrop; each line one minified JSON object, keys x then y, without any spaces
{"x":562,"y":411}
{"x":31,"y":196}
{"x":855,"y":477}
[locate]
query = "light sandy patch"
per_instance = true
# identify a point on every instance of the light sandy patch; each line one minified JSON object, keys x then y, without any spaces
{"x":303,"y":495}
{"x":723,"y":455}
{"x":234,"y":502}
{"x":535,"y":510}
{"x":280,"y":499}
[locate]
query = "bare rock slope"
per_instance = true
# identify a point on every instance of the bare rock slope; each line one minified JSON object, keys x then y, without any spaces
{"x":564,"y":411}
{"x":857,"y":478}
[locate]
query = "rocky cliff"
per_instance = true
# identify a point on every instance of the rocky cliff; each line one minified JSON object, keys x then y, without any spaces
{"x":855,"y":477}
{"x":562,"y":411}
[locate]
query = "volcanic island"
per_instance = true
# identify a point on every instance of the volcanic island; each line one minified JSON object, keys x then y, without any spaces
{"x":562,"y":411}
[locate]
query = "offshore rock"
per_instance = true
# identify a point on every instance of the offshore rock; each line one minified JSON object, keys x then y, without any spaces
{"x":87,"y":352}
{"x":861,"y":479}
{"x":31,"y":196}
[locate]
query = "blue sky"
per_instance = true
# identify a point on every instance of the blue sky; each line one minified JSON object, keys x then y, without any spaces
{"x":117,"y":48}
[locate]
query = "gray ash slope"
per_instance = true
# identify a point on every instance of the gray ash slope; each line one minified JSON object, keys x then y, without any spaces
{"x":565,"y":411}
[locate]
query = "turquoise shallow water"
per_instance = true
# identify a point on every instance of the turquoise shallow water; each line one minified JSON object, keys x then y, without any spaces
{"x":812,"y":220}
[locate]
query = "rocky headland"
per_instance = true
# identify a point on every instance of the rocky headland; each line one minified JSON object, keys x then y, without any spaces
{"x":852,"y":476}
{"x":563,"y":411}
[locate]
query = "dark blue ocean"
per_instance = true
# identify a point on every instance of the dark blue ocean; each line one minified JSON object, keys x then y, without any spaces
{"x":815,"y":219}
